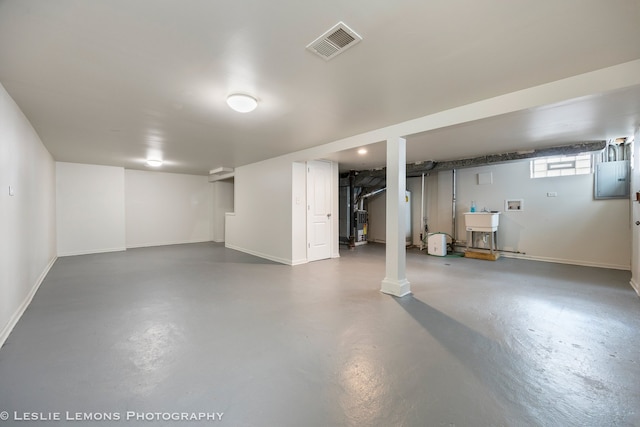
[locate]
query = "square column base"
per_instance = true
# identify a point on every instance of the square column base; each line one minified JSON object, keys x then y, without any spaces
{"x":395,"y":287}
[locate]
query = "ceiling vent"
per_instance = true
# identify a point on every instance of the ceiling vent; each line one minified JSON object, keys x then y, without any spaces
{"x":334,"y":41}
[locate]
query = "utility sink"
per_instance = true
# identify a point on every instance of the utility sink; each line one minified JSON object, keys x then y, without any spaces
{"x":481,"y":221}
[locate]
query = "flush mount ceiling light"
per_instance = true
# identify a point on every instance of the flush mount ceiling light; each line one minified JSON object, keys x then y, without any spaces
{"x":362,"y":151}
{"x":154,"y":163}
{"x":242,"y":103}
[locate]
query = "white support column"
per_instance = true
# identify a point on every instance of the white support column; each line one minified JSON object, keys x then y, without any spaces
{"x":395,"y":282}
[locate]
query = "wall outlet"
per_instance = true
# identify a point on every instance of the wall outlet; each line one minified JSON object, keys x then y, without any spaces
{"x":552,"y":194}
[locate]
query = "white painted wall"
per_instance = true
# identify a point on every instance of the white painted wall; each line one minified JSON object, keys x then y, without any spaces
{"x":335,"y":207}
{"x":166,"y":208}
{"x":439,"y":202}
{"x":90,"y":208}
{"x":27,"y":219}
{"x":377,"y":209}
{"x":414,"y":186}
{"x":262,"y":221}
{"x":242,"y":228}
{"x":570,"y":228}
{"x":299,"y":213}
{"x":635,"y":213}
{"x":270,"y":211}
{"x":222,"y":202}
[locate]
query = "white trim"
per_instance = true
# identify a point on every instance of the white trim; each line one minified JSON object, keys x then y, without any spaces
{"x":4,"y":334}
{"x":95,"y":251}
{"x":626,"y":267}
{"x":635,"y":286}
{"x":395,"y":287}
{"x":174,"y":242}
{"x":214,"y":178}
{"x":299,"y":261}
{"x":259,"y":254}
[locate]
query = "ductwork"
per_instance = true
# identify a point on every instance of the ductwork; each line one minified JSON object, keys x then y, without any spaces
{"x":376,"y":178}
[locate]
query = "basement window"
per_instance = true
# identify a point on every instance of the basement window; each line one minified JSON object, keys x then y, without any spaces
{"x":544,"y":167}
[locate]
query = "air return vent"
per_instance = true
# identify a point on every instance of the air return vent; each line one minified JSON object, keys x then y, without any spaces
{"x":335,"y":41}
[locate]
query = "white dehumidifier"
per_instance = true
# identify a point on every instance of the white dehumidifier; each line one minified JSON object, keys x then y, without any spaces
{"x":437,"y":244}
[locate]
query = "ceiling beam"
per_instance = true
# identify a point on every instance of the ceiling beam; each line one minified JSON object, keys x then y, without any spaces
{"x":563,"y":150}
{"x":377,"y":177}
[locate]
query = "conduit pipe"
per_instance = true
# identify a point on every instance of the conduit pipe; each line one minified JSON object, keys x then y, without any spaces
{"x":453,"y":204}
{"x":422,"y":221}
{"x":373,"y":193}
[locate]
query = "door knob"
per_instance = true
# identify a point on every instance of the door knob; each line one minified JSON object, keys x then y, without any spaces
{"x":637,"y":222}
{"x":329,"y":216}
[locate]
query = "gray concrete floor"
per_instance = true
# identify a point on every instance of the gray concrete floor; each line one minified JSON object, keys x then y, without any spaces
{"x":202,"y":329}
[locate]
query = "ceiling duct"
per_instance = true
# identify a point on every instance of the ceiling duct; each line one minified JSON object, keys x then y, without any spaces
{"x":221,"y":173}
{"x":334,"y":41}
{"x":373,"y":178}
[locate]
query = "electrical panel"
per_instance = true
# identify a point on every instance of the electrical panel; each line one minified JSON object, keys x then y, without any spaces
{"x":612,"y":180}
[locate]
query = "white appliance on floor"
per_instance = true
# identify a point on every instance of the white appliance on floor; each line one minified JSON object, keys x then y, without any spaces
{"x":437,"y":244}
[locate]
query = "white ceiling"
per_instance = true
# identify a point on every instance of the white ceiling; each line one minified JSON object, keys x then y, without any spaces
{"x":114,"y":81}
{"x":592,"y":118}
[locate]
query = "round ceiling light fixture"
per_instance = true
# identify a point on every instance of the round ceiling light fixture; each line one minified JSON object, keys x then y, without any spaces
{"x":154,"y":163}
{"x":242,"y":103}
{"x":362,"y":151}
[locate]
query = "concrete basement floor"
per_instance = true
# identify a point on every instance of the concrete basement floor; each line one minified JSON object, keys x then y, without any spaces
{"x":202,"y":329}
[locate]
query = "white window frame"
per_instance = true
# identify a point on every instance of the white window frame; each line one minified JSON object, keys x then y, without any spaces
{"x":554,"y":166}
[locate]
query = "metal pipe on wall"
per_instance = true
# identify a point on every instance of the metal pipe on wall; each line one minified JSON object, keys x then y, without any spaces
{"x":422,"y":215}
{"x":453,"y":204}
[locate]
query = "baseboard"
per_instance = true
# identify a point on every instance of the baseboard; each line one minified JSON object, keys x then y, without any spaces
{"x":567,"y":261}
{"x":635,"y":286}
{"x":299,"y":261}
{"x":94,"y":251}
{"x":259,"y":254}
{"x":176,"y":242}
{"x":6,"y":331}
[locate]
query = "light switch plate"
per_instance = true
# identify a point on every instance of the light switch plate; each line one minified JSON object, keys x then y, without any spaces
{"x":12,"y":191}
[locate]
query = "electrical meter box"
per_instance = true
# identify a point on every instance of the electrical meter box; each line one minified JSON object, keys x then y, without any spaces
{"x":437,"y":244}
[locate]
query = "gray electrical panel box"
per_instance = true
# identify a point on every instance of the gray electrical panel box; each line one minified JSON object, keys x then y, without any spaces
{"x":612,"y":180}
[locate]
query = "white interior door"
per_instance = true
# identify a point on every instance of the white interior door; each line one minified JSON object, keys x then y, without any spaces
{"x":318,"y":210}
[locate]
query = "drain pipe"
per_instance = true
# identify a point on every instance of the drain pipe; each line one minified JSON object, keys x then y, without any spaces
{"x":453,"y":205}
{"x":422,"y":215}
